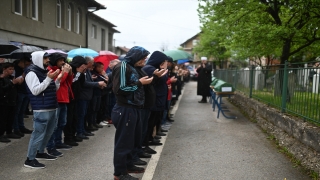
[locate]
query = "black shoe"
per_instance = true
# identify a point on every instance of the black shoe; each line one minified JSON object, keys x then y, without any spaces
{"x":163,"y":130}
{"x":71,"y":143}
{"x":63,"y":147}
{"x":97,"y":126}
{"x":144,"y":155}
{"x":26,"y":131}
{"x":45,"y":156}
{"x":54,"y":152}
{"x":135,"y":169}
{"x":140,"y":162}
{"x":91,"y":128}
{"x":170,"y":120}
{"x":157,"y":137}
{"x":88,"y":134}
{"x":125,"y":177}
{"x":82,"y":136}
{"x":4,"y":139}
{"x":161,"y":134}
{"x":34,"y":164}
{"x":77,"y":139}
{"x":19,"y":133}
{"x":149,"y":150}
{"x":13,"y":136}
{"x":155,"y":140}
{"x":155,"y":143}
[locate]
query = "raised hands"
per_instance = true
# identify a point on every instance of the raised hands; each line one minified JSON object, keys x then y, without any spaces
{"x":161,"y":72}
{"x":145,"y":80}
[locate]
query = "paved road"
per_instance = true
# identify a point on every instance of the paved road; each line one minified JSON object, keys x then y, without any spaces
{"x":198,"y":146}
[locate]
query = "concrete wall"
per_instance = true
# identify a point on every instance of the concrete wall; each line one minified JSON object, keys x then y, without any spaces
{"x":95,"y":43}
{"x":302,"y":139}
{"x":43,"y":31}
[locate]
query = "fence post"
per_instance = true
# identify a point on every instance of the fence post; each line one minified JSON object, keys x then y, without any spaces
{"x":251,"y":81}
{"x":284,"y":88}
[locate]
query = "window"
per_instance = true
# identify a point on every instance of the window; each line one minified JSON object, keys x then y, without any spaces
{"x":94,"y":31}
{"x":103,"y":39}
{"x":35,"y":9}
{"x":78,"y":22}
{"x":58,"y":13}
{"x":69,"y":22}
{"x":18,"y":7}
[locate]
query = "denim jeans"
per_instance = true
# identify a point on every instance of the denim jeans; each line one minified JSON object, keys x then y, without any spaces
{"x":82,"y":106}
{"x":22,"y":103}
{"x":56,"y":137}
{"x":43,"y":127}
{"x":165,"y":112}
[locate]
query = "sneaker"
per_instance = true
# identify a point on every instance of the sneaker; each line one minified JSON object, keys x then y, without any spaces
{"x":45,"y":156}
{"x":26,"y":131}
{"x":102,"y":123}
{"x":34,"y":164}
{"x":4,"y":139}
{"x":140,"y":162}
{"x":19,"y":133}
{"x":97,"y":125}
{"x":125,"y":177}
{"x":71,"y":143}
{"x":13,"y":136}
{"x":63,"y":147}
{"x":54,"y":152}
{"x":149,"y":150}
{"x":135,"y":169}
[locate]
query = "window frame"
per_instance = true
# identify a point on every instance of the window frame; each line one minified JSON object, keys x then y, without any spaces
{"x":36,"y":10}
{"x":69,"y":15}
{"x":78,"y":21}
{"x":18,"y":13}
{"x":58,"y":15}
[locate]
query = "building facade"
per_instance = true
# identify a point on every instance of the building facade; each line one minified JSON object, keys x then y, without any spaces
{"x":46,"y":23}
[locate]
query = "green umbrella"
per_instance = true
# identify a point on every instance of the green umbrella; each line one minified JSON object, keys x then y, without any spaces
{"x":178,"y":54}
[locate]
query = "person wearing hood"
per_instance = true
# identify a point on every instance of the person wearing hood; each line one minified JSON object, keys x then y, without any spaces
{"x":64,"y":93}
{"x":157,"y":60}
{"x":43,"y":98}
{"x":128,"y":88}
{"x":78,"y":65}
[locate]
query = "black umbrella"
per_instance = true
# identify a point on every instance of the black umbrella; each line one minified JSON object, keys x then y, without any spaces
{"x":7,"y":48}
{"x":24,"y":51}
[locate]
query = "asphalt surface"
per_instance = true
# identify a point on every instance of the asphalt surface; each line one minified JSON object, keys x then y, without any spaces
{"x":198,"y":146}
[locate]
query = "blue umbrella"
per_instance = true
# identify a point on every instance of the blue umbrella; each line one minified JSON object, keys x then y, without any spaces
{"x":82,"y":52}
{"x":181,"y":61}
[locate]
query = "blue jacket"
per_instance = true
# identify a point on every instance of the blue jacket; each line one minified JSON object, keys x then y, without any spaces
{"x":47,"y":99}
{"x":161,"y":88}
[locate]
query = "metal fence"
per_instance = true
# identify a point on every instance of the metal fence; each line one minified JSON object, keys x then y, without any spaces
{"x":292,"y":88}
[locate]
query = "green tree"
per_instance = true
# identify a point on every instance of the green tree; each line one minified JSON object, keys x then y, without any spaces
{"x":280,"y":28}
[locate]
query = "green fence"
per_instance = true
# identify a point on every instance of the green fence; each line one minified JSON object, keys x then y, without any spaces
{"x":292,"y":88}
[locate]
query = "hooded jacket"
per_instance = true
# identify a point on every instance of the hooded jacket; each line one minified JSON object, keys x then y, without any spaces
{"x":126,"y":85}
{"x":161,"y":88}
{"x":41,"y":89}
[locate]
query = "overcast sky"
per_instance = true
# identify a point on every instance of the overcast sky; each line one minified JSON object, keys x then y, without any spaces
{"x":152,"y":23}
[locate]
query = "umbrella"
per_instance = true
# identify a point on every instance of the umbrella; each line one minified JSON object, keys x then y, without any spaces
{"x":105,"y":59}
{"x":51,"y":51}
{"x":82,"y":52}
{"x":107,"y":53}
{"x":7,"y":48}
{"x":178,"y":54}
{"x":24,"y":51}
{"x":182,"y":61}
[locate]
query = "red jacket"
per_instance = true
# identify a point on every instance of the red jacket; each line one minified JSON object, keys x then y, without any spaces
{"x":64,"y":93}
{"x":169,"y":89}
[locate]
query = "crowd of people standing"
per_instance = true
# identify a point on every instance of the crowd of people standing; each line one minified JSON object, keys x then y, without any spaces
{"x":77,"y":98}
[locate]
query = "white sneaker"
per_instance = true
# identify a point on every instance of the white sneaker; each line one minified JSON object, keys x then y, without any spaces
{"x":103,"y":124}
